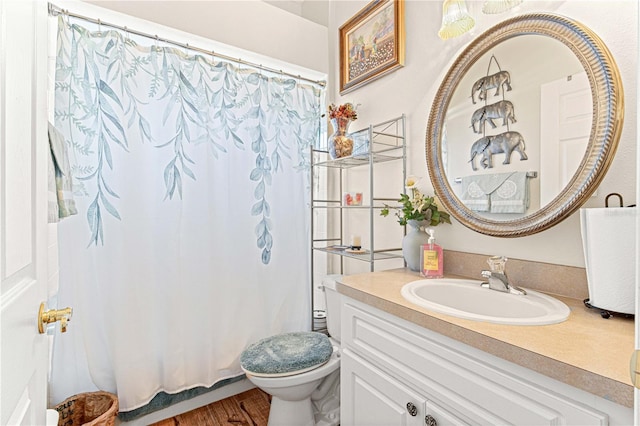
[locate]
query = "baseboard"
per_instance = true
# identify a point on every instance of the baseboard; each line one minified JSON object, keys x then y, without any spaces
{"x":190,"y":404}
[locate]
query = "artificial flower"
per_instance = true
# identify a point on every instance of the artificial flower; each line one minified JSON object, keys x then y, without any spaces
{"x":417,"y":207}
{"x":411,"y":182}
{"x":343,"y":111}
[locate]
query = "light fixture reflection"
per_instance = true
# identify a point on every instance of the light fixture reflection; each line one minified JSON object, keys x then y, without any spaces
{"x":455,"y":19}
{"x":499,"y":6}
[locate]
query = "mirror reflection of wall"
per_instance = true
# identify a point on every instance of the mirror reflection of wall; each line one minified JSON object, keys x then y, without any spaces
{"x":532,"y":61}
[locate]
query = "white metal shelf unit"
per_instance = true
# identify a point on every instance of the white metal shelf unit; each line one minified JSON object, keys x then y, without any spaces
{"x":386,"y":143}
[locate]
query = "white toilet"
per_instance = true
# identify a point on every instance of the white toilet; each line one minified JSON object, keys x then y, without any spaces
{"x":304,"y":392}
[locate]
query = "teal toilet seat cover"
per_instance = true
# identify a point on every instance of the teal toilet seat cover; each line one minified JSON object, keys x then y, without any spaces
{"x":286,"y":354}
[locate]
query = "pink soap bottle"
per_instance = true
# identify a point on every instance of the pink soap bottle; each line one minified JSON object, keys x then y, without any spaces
{"x":431,"y":258}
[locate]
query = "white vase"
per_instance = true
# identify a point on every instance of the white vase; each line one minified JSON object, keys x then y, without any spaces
{"x":412,"y":242}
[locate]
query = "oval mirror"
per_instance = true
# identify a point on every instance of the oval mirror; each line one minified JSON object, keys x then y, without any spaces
{"x":524,"y":125}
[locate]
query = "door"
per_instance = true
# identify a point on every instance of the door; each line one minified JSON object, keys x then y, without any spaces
{"x":636,"y":405}
{"x":23,"y":215}
{"x":565,"y":127}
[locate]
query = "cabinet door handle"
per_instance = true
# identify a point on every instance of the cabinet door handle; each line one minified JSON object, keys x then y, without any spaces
{"x":430,"y":421}
{"x":412,"y":409}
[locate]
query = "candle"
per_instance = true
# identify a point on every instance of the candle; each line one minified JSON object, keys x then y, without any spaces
{"x":355,"y":241}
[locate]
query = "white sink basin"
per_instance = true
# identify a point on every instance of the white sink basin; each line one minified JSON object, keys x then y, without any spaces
{"x":466,"y":299}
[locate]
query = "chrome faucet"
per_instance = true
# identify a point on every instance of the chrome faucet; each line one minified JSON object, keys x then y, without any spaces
{"x":497,"y":277}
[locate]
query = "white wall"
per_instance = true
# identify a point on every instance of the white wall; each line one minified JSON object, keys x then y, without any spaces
{"x":412,"y":88}
{"x":252,"y":25}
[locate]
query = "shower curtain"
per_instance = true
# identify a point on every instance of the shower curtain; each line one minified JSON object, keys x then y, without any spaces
{"x":192,"y":238}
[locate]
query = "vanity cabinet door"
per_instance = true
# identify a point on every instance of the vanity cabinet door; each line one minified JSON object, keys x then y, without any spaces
{"x":372,"y":398}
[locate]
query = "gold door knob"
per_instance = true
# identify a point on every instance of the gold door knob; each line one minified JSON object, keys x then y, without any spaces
{"x":53,"y":315}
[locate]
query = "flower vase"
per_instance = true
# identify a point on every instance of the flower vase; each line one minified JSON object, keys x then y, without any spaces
{"x":412,"y":243}
{"x":340,"y":143}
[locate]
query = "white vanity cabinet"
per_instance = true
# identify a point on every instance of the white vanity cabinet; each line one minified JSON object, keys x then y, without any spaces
{"x":388,"y":362}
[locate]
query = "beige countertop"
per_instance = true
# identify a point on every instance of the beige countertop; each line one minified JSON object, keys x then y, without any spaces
{"x":585,"y":351}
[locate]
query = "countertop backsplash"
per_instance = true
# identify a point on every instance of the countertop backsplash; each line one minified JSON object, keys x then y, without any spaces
{"x":569,"y":281}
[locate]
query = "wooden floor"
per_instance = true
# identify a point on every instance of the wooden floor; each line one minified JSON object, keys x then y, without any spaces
{"x":250,"y":408}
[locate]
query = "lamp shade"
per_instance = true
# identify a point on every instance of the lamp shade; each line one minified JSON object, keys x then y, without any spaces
{"x":455,"y":19}
{"x":499,"y":6}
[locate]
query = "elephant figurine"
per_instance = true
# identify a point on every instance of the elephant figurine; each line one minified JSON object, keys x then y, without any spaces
{"x":506,"y":143}
{"x":493,"y":81}
{"x":502,"y":109}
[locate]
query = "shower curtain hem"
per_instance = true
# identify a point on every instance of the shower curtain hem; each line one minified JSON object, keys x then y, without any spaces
{"x":163,"y":398}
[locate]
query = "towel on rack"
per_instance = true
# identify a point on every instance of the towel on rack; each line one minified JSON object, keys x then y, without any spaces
{"x":496,"y":192}
{"x":65,"y":205}
{"x":512,"y":195}
{"x":473,"y":194}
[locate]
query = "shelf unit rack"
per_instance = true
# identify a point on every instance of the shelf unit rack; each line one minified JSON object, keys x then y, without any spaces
{"x":384,"y":142}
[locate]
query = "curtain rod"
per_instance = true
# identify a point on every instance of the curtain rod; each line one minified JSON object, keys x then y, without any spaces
{"x":55,"y":11}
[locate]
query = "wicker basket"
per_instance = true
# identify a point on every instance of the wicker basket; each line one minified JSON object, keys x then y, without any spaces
{"x":89,"y":409}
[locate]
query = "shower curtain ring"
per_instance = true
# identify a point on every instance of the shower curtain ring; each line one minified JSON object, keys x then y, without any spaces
{"x":99,"y":28}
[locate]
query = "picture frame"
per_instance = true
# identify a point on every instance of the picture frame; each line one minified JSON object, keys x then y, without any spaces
{"x":372,"y":43}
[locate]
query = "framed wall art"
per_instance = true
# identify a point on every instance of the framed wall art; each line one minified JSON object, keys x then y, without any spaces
{"x":371,"y":43}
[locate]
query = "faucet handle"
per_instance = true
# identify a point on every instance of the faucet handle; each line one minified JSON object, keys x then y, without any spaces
{"x":497,"y":263}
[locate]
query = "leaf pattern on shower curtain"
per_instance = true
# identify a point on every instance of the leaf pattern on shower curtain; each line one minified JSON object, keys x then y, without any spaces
{"x":104,"y":83}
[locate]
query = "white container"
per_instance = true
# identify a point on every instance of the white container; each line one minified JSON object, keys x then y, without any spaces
{"x":52,"y":417}
{"x":360,"y":144}
{"x":608,"y":240}
{"x":333,"y":299}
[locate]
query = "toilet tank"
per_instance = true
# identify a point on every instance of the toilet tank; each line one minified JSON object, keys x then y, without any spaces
{"x":333,"y":300}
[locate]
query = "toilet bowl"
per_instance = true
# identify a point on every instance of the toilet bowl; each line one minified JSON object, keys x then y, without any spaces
{"x":301,"y":370}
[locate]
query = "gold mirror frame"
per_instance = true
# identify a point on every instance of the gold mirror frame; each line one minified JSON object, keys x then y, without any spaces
{"x":608,"y":113}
